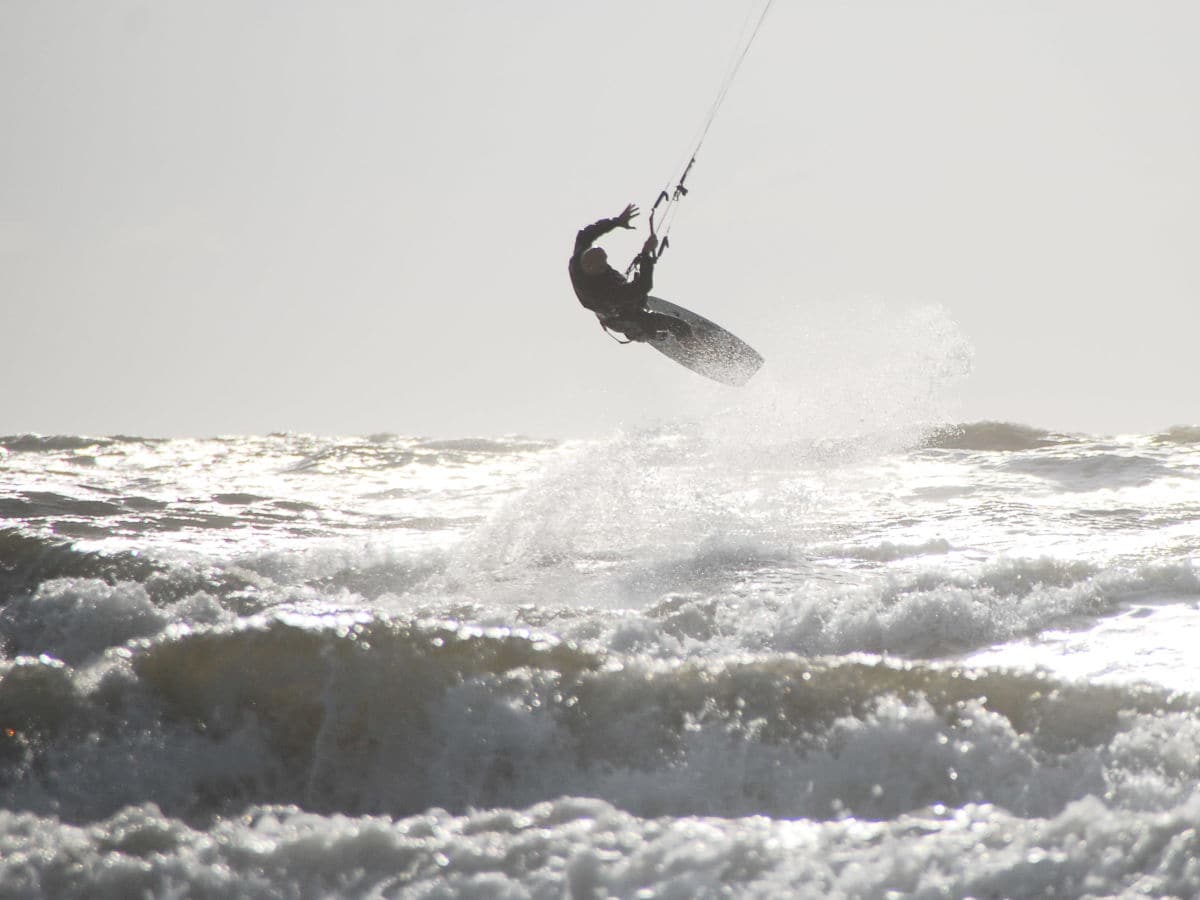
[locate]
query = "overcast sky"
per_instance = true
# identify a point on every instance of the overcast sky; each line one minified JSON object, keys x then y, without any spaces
{"x":221,"y":217}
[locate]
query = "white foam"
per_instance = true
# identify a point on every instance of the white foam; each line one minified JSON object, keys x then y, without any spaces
{"x":74,"y":619}
{"x":584,"y":848}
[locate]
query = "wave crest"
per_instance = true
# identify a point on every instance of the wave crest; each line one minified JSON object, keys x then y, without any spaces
{"x":353,"y":713}
{"x":992,"y":437}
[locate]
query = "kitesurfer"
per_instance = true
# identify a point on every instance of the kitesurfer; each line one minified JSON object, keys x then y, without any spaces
{"x":620,"y":304}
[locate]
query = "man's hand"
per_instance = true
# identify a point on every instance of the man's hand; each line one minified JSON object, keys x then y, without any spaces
{"x":651,"y":245}
{"x":628,"y":214}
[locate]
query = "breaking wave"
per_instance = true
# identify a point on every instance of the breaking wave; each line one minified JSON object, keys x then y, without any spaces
{"x":992,"y":437}
{"x":355,"y":713}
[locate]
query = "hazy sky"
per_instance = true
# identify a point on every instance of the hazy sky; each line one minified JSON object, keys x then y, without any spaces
{"x":223,"y":217}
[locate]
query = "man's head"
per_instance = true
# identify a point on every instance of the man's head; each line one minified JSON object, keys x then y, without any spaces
{"x":594,"y":261}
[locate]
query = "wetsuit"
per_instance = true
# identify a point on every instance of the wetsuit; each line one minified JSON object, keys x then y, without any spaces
{"x":620,"y":305}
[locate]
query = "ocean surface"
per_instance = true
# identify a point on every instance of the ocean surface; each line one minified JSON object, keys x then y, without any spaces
{"x":723,"y":656}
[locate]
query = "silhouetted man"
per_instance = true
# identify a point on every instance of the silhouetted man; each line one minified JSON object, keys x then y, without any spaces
{"x":620,"y":305}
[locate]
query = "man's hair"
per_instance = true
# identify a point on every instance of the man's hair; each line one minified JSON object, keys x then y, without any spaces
{"x":593,"y":260}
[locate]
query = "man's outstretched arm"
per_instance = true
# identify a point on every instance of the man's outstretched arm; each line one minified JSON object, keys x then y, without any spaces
{"x":592,"y":233}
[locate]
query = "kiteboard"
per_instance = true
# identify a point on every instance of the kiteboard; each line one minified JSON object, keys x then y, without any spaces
{"x":711,"y":351}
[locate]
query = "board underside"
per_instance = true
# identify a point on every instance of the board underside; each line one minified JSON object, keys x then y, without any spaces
{"x":713,"y":352}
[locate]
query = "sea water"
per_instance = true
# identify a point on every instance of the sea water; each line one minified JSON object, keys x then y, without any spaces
{"x":810,"y":644}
